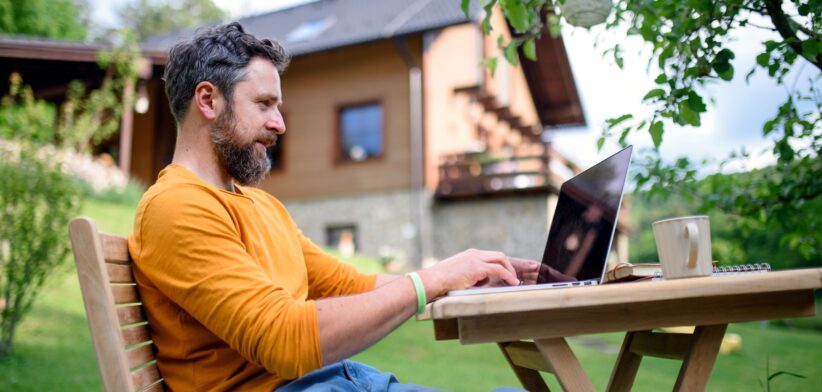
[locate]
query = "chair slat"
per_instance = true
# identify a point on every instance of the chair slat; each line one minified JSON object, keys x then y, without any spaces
{"x":145,"y":376}
{"x":140,"y":355}
{"x":135,"y":335}
{"x":130,"y":314}
{"x":156,"y":387}
{"x":115,"y":248}
{"x":125,"y":294}
{"x":99,"y":304}
{"x":119,"y":273}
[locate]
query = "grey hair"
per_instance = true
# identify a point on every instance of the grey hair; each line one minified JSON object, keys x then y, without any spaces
{"x":218,"y":55}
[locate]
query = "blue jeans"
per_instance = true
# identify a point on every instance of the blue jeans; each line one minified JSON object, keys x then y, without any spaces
{"x":347,"y":376}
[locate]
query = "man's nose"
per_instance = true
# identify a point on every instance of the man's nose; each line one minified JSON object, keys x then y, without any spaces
{"x":276,"y":124}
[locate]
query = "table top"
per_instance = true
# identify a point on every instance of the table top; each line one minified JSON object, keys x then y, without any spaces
{"x":623,"y":293}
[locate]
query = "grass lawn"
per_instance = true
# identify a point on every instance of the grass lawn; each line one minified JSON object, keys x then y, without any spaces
{"x":53,"y":350}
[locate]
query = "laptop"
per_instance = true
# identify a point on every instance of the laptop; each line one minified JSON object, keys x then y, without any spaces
{"x":582,"y":229}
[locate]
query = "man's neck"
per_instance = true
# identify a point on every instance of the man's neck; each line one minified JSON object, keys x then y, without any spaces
{"x":195,"y":152}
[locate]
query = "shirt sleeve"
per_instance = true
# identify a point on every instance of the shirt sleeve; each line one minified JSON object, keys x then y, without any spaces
{"x":191,"y":251}
{"x":329,"y":277}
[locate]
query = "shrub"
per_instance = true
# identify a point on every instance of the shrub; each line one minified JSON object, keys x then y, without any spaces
{"x":37,"y":200}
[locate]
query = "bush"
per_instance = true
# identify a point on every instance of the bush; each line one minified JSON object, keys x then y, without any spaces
{"x":37,"y":200}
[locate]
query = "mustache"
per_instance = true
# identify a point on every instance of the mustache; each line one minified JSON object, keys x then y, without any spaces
{"x":268,"y":140}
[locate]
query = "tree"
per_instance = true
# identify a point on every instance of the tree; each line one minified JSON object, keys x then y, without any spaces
{"x":689,"y":45}
{"x":152,"y":17}
{"x":63,"y":19}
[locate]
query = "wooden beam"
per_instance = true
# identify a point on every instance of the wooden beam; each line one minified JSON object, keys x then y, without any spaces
{"x":627,"y":365}
{"x":529,"y":378}
{"x":565,"y":364}
{"x":661,"y":344}
{"x":699,"y":361}
{"x":527,"y":355}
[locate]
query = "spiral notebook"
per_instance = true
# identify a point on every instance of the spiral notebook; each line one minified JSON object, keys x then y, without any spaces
{"x":625,"y":272}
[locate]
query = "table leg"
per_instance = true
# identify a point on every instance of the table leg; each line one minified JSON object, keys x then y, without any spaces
{"x":530,"y":379}
{"x":565,"y":364}
{"x":624,"y":373}
{"x":699,"y":361}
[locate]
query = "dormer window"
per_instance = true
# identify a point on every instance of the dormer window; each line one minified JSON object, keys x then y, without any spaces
{"x":310,"y":30}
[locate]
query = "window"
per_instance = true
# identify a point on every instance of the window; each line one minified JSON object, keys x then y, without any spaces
{"x":310,"y":30}
{"x":343,"y":238}
{"x":361,"y":132}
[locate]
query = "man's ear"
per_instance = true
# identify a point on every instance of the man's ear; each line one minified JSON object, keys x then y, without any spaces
{"x":208,"y":100}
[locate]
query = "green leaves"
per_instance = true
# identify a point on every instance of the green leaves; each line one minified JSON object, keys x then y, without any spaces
{"x":656,"y":131}
{"x":510,"y":53}
{"x":517,"y":14}
{"x":612,"y":122}
{"x":465,"y":5}
{"x":490,"y":64}
{"x":655,"y":93}
{"x":722,"y":64}
{"x":530,"y":50}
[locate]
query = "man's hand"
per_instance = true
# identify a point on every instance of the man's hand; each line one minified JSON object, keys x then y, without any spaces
{"x":473,"y":268}
{"x":527,"y":273}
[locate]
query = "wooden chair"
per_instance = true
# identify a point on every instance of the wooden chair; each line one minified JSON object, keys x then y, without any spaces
{"x":119,"y":330}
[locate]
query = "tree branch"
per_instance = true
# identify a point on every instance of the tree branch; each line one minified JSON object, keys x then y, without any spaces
{"x":783,"y":26}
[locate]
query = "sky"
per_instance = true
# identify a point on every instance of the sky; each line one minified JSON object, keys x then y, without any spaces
{"x":733,"y":122}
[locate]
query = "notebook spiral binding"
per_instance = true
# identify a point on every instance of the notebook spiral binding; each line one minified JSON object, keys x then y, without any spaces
{"x":734,"y":269}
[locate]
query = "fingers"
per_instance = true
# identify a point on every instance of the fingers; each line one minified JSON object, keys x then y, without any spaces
{"x":496,"y":270}
{"x":499,"y":258}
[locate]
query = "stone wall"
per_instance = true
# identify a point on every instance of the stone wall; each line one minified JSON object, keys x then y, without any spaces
{"x":383,"y":221}
{"x":516,"y":225}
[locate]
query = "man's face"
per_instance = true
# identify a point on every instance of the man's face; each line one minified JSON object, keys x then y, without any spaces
{"x":250,"y":122}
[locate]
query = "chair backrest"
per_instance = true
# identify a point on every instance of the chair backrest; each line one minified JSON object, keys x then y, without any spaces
{"x":119,"y":330}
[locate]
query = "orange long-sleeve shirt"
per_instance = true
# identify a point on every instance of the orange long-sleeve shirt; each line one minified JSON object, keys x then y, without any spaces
{"x":228,"y":282}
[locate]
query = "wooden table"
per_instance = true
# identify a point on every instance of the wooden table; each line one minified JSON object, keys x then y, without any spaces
{"x":530,"y":326}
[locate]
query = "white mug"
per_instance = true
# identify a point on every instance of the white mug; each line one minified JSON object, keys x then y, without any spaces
{"x":684,"y":246}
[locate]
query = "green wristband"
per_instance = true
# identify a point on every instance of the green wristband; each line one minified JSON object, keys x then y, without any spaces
{"x":415,"y":278}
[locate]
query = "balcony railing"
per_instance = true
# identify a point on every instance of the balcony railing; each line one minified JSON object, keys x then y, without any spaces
{"x":531,"y":168}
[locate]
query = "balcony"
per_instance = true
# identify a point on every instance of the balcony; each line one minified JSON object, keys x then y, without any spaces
{"x":530,"y":168}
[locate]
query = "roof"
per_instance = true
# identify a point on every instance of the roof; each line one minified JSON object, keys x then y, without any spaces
{"x":328,"y":24}
{"x":38,"y":48}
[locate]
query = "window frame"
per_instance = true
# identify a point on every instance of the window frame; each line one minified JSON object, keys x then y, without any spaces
{"x":339,"y":158}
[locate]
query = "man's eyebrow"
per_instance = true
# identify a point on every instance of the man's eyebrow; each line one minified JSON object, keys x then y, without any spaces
{"x":268,"y":97}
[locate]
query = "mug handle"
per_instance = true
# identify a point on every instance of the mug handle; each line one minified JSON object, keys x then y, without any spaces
{"x":692,"y":234}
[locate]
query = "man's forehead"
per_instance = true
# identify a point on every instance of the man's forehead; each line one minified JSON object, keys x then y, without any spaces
{"x":262,"y":77}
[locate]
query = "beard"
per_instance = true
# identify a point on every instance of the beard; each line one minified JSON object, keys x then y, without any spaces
{"x":240,"y":161}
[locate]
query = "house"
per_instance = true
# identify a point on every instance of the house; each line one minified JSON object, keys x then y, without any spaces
{"x":400,"y":144}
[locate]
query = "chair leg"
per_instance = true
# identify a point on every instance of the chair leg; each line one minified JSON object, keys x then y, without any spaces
{"x":565,"y":364}
{"x":624,"y":373}
{"x":700,"y":359}
{"x":530,"y":379}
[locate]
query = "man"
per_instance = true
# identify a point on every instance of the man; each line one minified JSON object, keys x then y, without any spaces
{"x":236,"y":296}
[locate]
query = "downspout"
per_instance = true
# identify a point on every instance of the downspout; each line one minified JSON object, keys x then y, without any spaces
{"x":416,"y":153}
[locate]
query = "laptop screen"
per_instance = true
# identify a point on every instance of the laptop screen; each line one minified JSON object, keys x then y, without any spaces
{"x":584,"y":222}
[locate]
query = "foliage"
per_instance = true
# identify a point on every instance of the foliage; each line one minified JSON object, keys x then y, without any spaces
{"x":85,"y":117}
{"x":88,"y":118}
{"x":37,"y":196}
{"x":689,"y":49}
{"x":24,"y":117}
{"x":63,"y":19}
{"x":38,"y":200}
{"x":152,"y":17}
{"x":734,"y":239}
